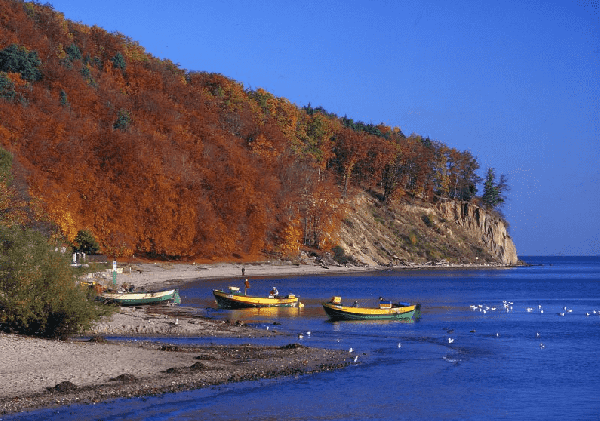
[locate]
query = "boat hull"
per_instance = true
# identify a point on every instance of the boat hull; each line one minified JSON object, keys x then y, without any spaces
{"x":142,"y":298}
{"x":228,"y":300}
{"x":339,"y":312}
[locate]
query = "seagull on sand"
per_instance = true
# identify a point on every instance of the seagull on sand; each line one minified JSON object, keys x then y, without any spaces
{"x":350,"y":350}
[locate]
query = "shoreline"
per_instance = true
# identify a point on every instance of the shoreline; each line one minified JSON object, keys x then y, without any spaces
{"x":40,"y":373}
{"x":166,"y":274}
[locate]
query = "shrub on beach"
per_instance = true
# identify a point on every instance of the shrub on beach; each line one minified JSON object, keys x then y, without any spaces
{"x":38,"y":291}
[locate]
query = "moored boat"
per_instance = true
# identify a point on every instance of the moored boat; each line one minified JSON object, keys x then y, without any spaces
{"x":386,"y":311}
{"x":141,"y":298}
{"x":233,"y":298}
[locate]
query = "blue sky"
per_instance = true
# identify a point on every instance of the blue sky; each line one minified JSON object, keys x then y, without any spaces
{"x":515,"y":82}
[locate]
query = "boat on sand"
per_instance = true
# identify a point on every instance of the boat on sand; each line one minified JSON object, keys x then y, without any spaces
{"x":141,"y":298}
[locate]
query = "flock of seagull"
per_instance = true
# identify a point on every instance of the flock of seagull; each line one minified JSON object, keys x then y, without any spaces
{"x":507,"y":306}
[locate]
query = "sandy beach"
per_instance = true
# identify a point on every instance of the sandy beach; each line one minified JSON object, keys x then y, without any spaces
{"x":41,"y":373}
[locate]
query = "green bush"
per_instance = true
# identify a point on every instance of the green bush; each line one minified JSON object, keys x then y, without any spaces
{"x":86,"y":242}
{"x":340,"y":256}
{"x":39,"y":295}
{"x":15,"y":59}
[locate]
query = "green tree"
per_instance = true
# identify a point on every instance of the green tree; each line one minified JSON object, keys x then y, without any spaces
{"x":494,"y":193}
{"x":15,"y":59}
{"x":73,"y":52}
{"x":123,"y":120}
{"x":85,"y":242}
{"x":39,"y":294}
{"x":7,"y":87}
{"x":119,"y":61}
{"x":64,"y":100}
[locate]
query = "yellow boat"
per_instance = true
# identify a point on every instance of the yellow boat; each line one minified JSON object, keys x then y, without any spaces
{"x":386,"y":311}
{"x":233,"y":298}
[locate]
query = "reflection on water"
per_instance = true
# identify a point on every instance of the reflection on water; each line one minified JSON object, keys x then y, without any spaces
{"x":263,"y":312}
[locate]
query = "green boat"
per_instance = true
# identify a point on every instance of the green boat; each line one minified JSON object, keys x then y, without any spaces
{"x":386,"y":311}
{"x":141,"y":298}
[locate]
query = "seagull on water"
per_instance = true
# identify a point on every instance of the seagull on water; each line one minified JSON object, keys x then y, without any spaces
{"x":356,"y":358}
{"x":450,"y":340}
{"x":542,"y":346}
{"x":399,"y":345}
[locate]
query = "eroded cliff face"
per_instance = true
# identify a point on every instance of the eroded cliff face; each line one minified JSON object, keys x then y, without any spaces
{"x":481,"y":223}
{"x":417,"y":232}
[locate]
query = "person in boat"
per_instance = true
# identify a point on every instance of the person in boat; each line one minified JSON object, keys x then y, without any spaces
{"x":355,"y":304}
{"x":274,"y":293}
{"x":246,"y":286}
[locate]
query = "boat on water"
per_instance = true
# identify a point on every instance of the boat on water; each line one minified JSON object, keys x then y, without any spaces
{"x":234,"y":298}
{"x":385,"y":311}
{"x":141,"y":298}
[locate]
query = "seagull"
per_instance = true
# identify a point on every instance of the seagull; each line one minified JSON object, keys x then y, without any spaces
{"x":537,"y":335}
{"x":176,"y":322}
{"x":542,"y":346}
{"x":399,"y":345}
{"x":529,"y":309}
{"x":450,"y":340}
{"x":497,"y":335}
{"x":587,"y":314}
{"x":308,"y":333}
{"x":356,"y":358}
{"x":350,"y":350}
{"x":561,"y":314}
{"x":300,"y":336}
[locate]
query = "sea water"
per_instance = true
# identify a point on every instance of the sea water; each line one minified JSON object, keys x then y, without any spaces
{"x":518,"y":343}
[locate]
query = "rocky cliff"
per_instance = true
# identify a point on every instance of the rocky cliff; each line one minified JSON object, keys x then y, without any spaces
{"x":413,"y":232}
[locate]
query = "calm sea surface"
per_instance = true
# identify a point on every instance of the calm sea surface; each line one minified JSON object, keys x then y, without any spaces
{"x":504,"y":363}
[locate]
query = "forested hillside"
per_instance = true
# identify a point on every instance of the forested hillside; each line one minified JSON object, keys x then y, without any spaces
{"x":160,"y":161}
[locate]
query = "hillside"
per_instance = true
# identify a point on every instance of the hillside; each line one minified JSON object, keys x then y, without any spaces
{"x":161,"y":162}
